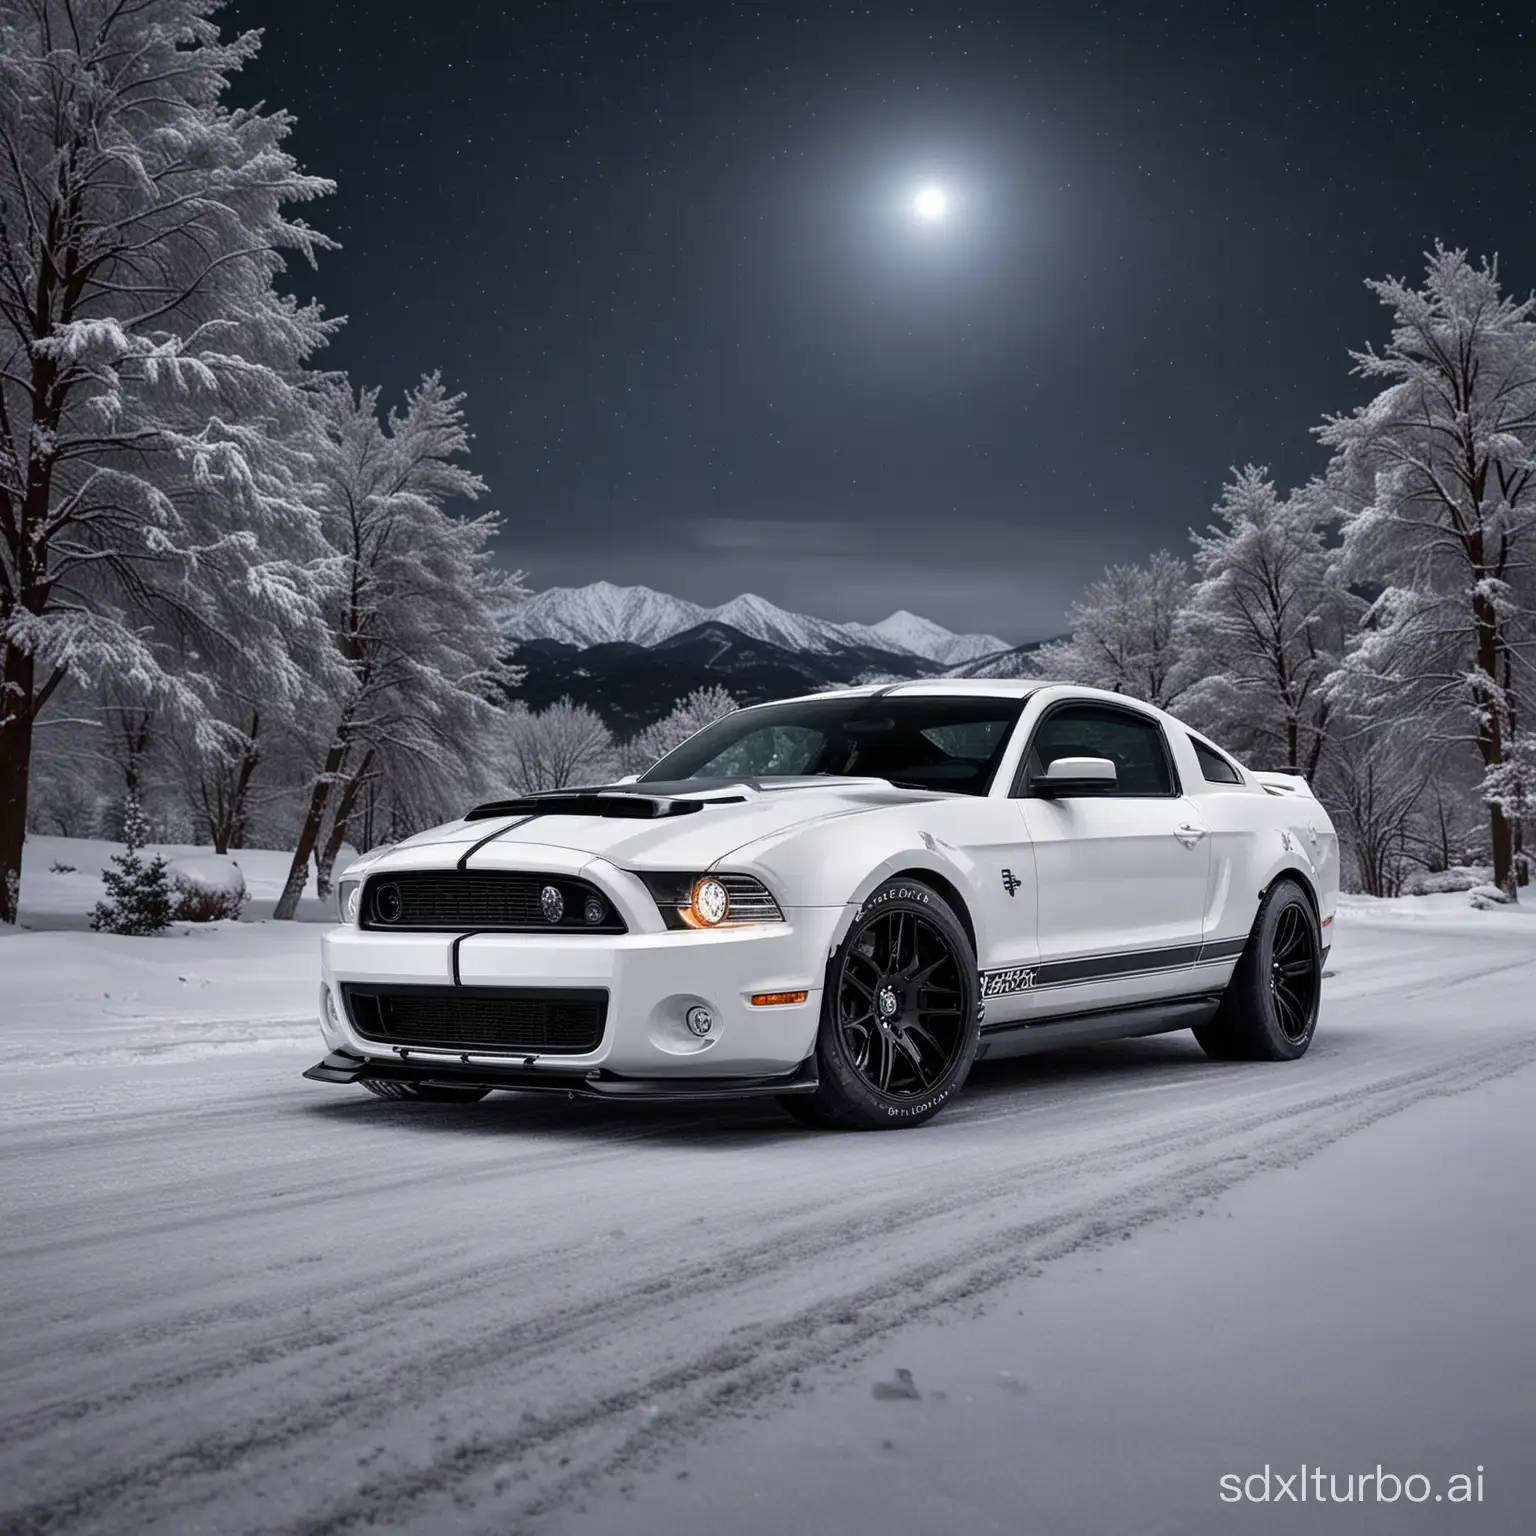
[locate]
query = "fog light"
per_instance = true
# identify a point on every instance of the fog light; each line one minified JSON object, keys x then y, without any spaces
{"x":700,"y":1021}
{"x":594,"y":911}
{"x":330,"y":1008}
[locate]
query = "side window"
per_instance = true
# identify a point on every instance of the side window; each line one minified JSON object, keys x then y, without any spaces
{"x":1131,"y":742}
{"x":1215,"y":768}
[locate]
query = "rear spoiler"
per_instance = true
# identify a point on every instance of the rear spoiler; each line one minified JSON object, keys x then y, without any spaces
{"x":613,"y":803}
{"x":1286,"y":783}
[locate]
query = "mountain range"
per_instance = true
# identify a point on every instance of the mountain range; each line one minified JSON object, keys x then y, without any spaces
{"x":630,"y":653}
{"x":602,"y":613}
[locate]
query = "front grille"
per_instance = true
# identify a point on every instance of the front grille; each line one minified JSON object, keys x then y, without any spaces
{"x":479,"y":1018}
{"x":486,"y":901}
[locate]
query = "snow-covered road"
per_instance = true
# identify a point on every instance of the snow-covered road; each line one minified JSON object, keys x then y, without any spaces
{"x":238,"y":1301}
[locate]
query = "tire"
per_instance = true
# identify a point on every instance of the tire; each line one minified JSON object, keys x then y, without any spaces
{"x":432,"y":1093}
{"x":899,"y":1016}
{"x":1269,"y":1010}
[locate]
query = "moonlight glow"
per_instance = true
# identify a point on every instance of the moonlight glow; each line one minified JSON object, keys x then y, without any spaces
{"x":930,"y":204}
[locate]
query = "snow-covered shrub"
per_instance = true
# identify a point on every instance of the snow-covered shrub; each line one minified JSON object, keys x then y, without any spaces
{"x":1424,"y":882}
{"x":1487,"y":897}
{"x":207,"y":888}
{"x":138,"y":899}
{"x":59,"y":867}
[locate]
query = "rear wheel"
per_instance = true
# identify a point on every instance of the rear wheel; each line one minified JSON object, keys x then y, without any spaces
{"x":899,"y":1021}
{"x":435,"y":1093}
{"x":1269,"y":1011}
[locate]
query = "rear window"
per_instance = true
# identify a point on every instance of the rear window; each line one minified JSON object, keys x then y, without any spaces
{"x":1215,"y":768}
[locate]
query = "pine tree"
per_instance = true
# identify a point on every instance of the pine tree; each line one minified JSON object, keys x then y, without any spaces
{"x":139,"y":896}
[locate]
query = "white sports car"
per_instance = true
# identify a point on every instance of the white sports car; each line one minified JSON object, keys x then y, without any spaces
{"x":842,"y":901}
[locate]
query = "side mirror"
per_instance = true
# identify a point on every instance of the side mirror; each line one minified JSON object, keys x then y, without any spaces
{"x":1075,"y":776}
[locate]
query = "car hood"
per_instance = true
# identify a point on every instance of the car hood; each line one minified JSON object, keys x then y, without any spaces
{"x":732,"y":816}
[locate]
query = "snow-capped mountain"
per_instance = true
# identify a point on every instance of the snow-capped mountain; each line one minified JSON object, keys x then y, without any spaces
{"x":905,"y":631}
{"x":602,"y":613}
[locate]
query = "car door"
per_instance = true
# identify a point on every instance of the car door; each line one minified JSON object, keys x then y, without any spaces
{"x":1122,"y":874}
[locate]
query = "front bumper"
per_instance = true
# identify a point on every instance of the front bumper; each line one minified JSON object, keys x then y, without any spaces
{"x":651,"y":978}
{"x":343,"y":1067}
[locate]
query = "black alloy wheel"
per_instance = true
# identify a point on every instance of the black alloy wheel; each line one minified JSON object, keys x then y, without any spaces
{"x":1295,"y":973}
{"x":1269,"y":1009}
{"x":899,"y":1018}
{"x":900,"y":1004}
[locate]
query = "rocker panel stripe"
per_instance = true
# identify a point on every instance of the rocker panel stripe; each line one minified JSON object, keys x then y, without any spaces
{"x":1049,"y":974}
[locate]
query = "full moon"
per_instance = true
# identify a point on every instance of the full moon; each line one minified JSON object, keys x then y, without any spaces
{"x":930,"y":203}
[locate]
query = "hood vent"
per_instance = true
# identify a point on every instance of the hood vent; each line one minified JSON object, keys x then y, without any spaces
{"x":611,"y":803}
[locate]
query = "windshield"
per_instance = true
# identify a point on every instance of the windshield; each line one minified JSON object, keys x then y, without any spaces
{"x":950,"y":744}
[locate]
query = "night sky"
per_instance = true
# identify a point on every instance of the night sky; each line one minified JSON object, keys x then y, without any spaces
{"x":667,"y":248}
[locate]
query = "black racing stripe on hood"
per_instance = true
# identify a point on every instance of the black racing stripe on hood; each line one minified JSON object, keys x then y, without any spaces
{"x":491,"y":837}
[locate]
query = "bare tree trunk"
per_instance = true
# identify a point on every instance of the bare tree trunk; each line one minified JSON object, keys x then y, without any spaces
{"x":325,"y":862}
{"x":309,"y":832}
{"x":239,"y":800}
{"x":18,"y":714}
{"x":1491,"y":700}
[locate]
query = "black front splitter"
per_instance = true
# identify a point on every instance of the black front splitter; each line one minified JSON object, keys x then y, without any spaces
{"x":344,"y":1067}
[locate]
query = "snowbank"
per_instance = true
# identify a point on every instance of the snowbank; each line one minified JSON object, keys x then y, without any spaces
{"x":208,"y":887}
{"x":217,"y":873}
{"x":88,"y":999}
{"x":1448,"y":909}
{"x":61,"y":878}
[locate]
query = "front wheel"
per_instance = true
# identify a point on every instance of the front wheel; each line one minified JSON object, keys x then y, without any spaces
{"x":899,"y":1016}
{"x":432,"y":1093}
{"x":1269,"y":1010}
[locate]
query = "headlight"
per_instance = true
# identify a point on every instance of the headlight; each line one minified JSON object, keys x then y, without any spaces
{"x":712,"y":900}
{"x":347,"y":893}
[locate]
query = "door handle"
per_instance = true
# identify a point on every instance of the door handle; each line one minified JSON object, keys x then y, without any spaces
{"x":1188,"y":833}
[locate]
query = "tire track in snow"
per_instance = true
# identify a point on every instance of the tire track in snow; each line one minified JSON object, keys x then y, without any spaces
{"x":573,"y":1356}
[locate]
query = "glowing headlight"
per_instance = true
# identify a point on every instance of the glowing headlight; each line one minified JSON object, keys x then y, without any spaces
{"x":713,"y":900}
{"x":347,"y":894}
{"x":710,"y":905}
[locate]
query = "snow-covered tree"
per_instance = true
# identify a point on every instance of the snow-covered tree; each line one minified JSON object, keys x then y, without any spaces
{"x":139,"y":895}
{"x":1125,"y":633}
{"x":1375,"y":783}
{"x":411,"y":613}
{"x":148,"y":368}
{"x":1265,"y":624}
{"x":1437,"y":476}
{"x":688,"y":716}
{"x":562,"y":745}
{"x":1511,"y":787}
